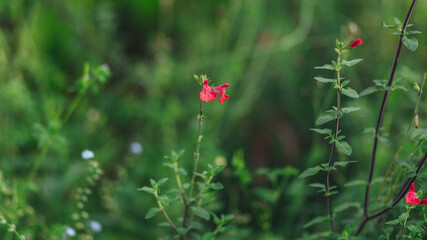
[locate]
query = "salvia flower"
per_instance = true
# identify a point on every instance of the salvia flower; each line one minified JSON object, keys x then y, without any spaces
{"x":411,"y":197}
{"x":424,"y":202}
{"x":221,"y":90}
{"x":208,"y":94}
{"x":356,"y":42}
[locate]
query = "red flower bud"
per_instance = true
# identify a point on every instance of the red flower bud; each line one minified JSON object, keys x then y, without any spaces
{"x":356,"y":42}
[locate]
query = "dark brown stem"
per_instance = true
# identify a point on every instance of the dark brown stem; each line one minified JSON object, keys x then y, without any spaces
{"x":381,"y":115}
{"x":403,"y":190}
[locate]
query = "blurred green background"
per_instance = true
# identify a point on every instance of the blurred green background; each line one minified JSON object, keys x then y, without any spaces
{"x":266,"y":51}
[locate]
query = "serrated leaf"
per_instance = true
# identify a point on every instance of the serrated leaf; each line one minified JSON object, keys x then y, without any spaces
{"x":181,"y":231}
{"x":317,"y":185}
{"x":322,"y":131}
{"x":349,"y":92}
{"x":161,"y":182}
{"x":403,"y":216}
{"x":219,"y":169}
{"x":216,"y":186}
{"x":315,"y":220}
{"x":201,"y":212}
{"x":163,"y":200}
{"x":416,"y":229}
{"x":346,"y":205}
{"x":326,"y":66}
{"x":343,"y":164}
{"x":413,"y":32}
{"x":324,"y":119}
{"x":310,"y":172}
{"x":350,"y":109}
{"x":355,"y":183}
{"x":368,"y":91}
{"x":152,"y":212}
{"x":392,"y":222}
{"x":351,"y":62}
{"x":146,"y":189}
{"x":344,"y":147}
{"x":324,"y":80}
{"x":410,"y":42}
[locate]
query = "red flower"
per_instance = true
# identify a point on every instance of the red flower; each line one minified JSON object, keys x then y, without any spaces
{"x":221,"y":90}
{"x":356,"y":42}
{"x":411,"y":197}
{"x":424,"y":202}
{"x":207,"y":94}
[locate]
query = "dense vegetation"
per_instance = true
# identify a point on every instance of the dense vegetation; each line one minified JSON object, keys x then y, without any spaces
{"x":94,"y":94}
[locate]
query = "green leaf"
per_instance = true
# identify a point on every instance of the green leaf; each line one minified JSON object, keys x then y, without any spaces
{"x":410,"y":42}
{"x":161,"y":182}
{"x":351,"y":62}
{"x":355,"y":183}
{"x":310,"y":172}
{"x":216,"y":186}
{"x":416,"y":229}
{"x":322,"y":131}
{"x":397,"y":21}
{"x":392,"y":222}
{"x":326,"y":66}
{"x":146,"y":189}
{"x":219,"y":168}
{"x":413,"y":32}
{"x":403,"y":216}
{"x":324,"y":80}
{"x":324,"y":119}
{"x":153,"y":182}
{"x":201,"y":212}
{"x":349,"y":92}
{"x":343,"y":164}
{"x":163,"y":200}
{"x":208,"y":236}
{"x":346,"y":205}
{"x":152,"y":212}
{"x":181,"y":230}
{"x":317,"y":185}
{"x":344,"y":147}
{"x":350,"y":109}
{"x":315,"y":220}
{"x":368,"y":91}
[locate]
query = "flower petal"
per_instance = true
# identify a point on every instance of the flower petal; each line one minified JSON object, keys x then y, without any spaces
{"x":207,"y":94}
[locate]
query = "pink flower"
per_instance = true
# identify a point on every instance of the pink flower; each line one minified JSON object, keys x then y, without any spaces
{"x":356,"y":42}
{"x":411,"y":197}
{"x":221,"y":90}
{"x":207,"y":94}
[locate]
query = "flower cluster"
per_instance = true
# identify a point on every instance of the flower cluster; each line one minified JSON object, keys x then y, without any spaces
{"x":209,"y":94}
{"x":411,"y":197}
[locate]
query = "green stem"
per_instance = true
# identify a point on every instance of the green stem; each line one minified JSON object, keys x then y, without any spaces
{"x":162,"y":208}
{"x":404,"y":223}
{"x":197,"y":153}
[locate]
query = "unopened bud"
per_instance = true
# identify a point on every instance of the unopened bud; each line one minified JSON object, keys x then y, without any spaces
{"x":416,"y":87}
{"x":416,"y":120}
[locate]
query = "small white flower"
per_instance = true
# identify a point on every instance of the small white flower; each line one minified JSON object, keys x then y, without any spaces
{"x":135,"y":148}
{"x":87,"y":154}
{"x":70,"y":232}
{"x":95,"y":226}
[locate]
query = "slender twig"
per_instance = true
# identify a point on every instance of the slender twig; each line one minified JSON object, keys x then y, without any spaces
{"x":162,"y":208}
{"x":381,"y":115}
{"x":197,"y":153}
{"x":391,"y":170}
{"x":403,"y":190}
{"x":331,"y":155}
{"x":404,"y":224}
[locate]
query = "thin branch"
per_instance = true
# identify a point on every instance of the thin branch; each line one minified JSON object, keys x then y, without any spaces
{"x":403,"y":190}
{"x":381,"y":115}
